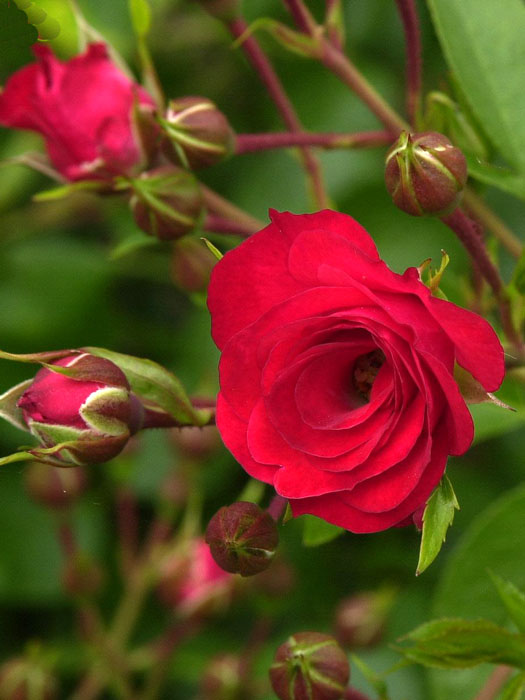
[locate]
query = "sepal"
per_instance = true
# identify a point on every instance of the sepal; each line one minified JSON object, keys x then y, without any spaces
{"x":296,"y":42}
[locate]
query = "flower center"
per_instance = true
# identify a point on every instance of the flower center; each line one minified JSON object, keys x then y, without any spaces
{"x":366,"y":368}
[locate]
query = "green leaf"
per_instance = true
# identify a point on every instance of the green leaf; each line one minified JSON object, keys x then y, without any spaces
{"x":16,"y":36}
{"x":375,"y":680}
{"x":156,"y":386}
{"x":140,"y":17}
{"x":484,"y":46}
{"x":495,"y":540}
{"x":513,"y":600}
{"x":458,"y":643}
{"x":496,"y":176}
{"x":317,"y":531}
{"x":8,"y":404}
{"x":63,"y":191}
{"x":513,"y":690}
{"x":437,"y":518}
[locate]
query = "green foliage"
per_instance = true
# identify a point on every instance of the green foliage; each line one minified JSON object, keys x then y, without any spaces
{"x":317,"y":531}
{"x":140,"y":16}
{"x":513,"y":600}
{"x":514,"y":688}
{"x":16,"y":36}
{"x":437,"y":518}
{"x":488,"y":60}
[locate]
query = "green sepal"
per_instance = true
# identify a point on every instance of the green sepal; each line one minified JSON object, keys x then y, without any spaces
{"x":213,"y":250}
{"x":297,"y":42}
{"x":513,"y":690}
{"x":437,"y":518}
{"x":66,"y":190}
{"x":38,"y":357}
{"x":317,"y":531}
{"x":473,"y":392}
{"x":513,"y":600}
{"x":157,"y":387}
{"x":89,"y":368}
{"x":8,"y":404}
{"x":458,"y":643}
{"x":98,"y":407}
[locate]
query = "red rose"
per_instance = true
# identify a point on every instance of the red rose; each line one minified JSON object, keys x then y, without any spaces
{"x":337,"y":374}
{"x":83,"y":109}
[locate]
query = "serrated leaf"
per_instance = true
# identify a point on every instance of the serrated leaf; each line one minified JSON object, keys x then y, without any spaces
{"x":458,"y":643}
{"x":513,"y":690}
{"x":491,"y":80}
{"x":317,"y":531}
{"x":156,"y":385}
{"x":140,"y":12}
{"x":437,"y":518}
{"x":513,"y":600}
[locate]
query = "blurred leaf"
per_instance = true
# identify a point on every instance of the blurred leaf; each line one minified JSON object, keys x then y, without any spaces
{"x":16,"y":36}
{"x":458,"y":643}
{"x":375,"y":680}
{"x":493,"y":175}
{"x":513,"y":600}
{"x":492,"y":80}
{"x":495,"y":540}
{"x":437,"y":518}
{"x":140,"y":12}
{"x":317,"y":531}
{"x":513,"y":690}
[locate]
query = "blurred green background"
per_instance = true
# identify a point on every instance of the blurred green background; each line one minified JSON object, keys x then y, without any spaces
{"x":60,"y":287}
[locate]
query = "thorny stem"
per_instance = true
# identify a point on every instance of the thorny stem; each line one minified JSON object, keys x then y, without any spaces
{"x":494,"y":683}
{"x":276,"y":91}
{"x":467,"y":232}
{"x":248,"y":143}
{"x":409,"y":17}
{"x":479,"y":209}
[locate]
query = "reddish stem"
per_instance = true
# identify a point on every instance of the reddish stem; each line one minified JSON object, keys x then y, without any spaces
{"x":276,"y":91}
{"x":67,"y":540}
{"x":127,"y":523}
{"x":468,"y":233}
{"x":219,"y":224}
{"x":353,"y":694}
{"x":494,"y":683}
{"x":302,"y":17}
{"x":248,"y":143}
{"x":277,"y":506}
{"x":409,"y":17}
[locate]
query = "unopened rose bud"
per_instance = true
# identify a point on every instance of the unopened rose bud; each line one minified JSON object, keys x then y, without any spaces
{"x":197,"y":133}
{"x":360,"y":619}
{"x":242,"y":538}
{"x":310,"y":666}
{"x":90,"y":409}
{"x":425,"y":173}
{"x":223,"y":679}
{"x":25,"y":679}
{"x":54,"y":487}
{"x":226,"y":10}
{"x":166,"y":202}
{"x":192,"y":265}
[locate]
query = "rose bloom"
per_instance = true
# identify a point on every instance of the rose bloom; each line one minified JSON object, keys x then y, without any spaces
{"x":337,"y":374}
{"x":83,"y":109}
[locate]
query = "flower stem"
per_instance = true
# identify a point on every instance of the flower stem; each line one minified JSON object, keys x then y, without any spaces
{"x":284,"y":106}
{"x":248,"y":143}
{"x":302,"y":17}
{"x":222,"y":207}
{"x":494,"y":683}
{"x":492,"y":222}
{"x":467,"y":232}
{"x":409,"y":17}
{"x":218,"y":224}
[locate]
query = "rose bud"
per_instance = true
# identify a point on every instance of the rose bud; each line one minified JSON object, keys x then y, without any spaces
{"x":191,"y":583}
{"x":92,"y":411}
{"x":191,"y":265}
{"x":225,"y":10}
{"x":360,"y":619}
{"x":82,"y":107}
{"x":25,"y":679}
{"x":223,"y":679}
{"x":310,"y":666}
{"x":242,"y":538}
{"x":166,"y":202}
{"x":197,"y":133}
{"x":425,"y":173}
{"x":53,"y":487}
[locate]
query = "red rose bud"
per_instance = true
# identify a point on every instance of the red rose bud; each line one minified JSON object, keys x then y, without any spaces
{"x":310,"y":666}
{"x":55,"y":487}
{"x":225,"y":10}
{"x":360,"y":619}
{"x":425,"y":173}
{"x":223,"y":679}
{"x":82,"y":107}
{"x":191,"y":265}
{"x":242,"y":538}
{"x":166,"y":202}
{"x":25,"y":679}
{"x":197,"y":133}
{"x":92,"y":410}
